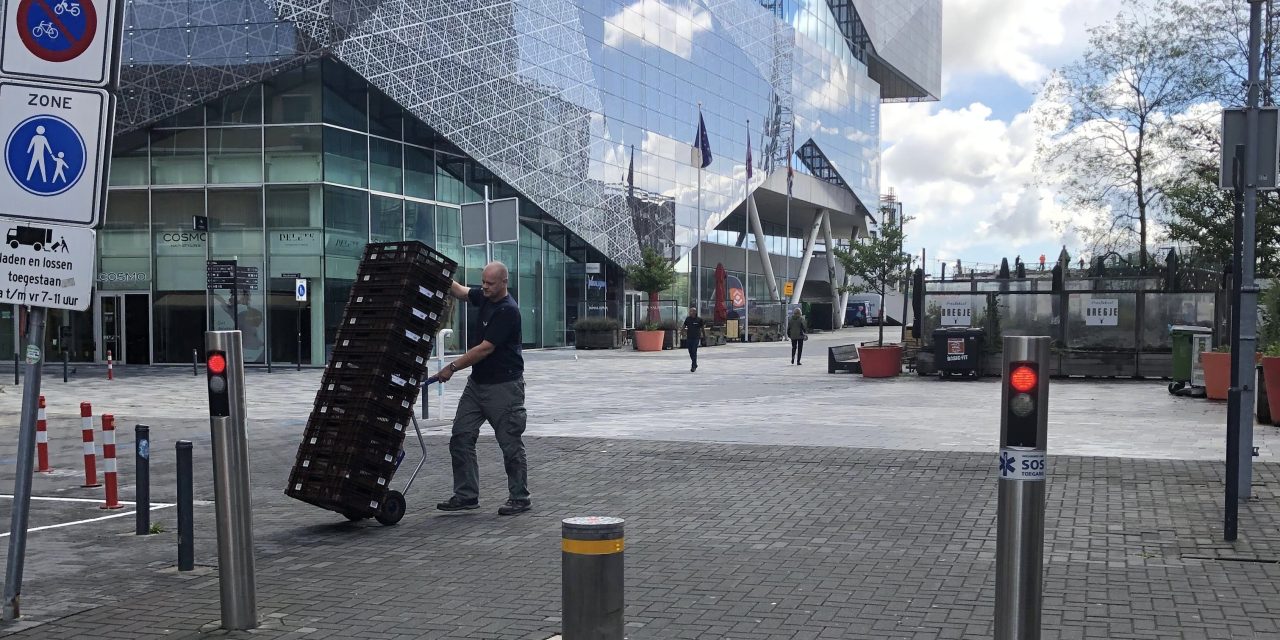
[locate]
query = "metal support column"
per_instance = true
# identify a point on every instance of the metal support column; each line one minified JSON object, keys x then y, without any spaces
{"x":765,"y":264}
{"x":807,"y":257}
{"x":837,"y":313}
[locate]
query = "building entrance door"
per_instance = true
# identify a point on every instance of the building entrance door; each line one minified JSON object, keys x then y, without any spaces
{"x":124,"y":326}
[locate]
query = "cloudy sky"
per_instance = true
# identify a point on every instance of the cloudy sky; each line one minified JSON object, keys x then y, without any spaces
{"x":963,"y":167}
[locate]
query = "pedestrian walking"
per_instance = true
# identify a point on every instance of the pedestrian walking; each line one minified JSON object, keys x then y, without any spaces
{"x":494,"y":393}
{"x":798,"y":331}
{"x":692,"y":329}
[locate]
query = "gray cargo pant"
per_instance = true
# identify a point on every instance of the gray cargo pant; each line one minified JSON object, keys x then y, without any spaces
{"x":502,"y":405}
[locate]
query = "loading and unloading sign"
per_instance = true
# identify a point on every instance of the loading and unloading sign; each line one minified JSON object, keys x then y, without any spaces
{"x":46,"y":265}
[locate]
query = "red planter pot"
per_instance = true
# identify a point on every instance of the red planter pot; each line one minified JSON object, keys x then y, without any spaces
{"x":649,"y":340}
{"x":1217,"y":374}
{"x":1271,"y":373}
{"x":881,"y":362}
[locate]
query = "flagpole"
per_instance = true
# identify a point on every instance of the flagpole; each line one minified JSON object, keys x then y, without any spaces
{"x":790,"y":179}
{"x":746,"y":235}
{"x":698,"y":271}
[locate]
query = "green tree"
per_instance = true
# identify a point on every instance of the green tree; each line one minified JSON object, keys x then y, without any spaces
{"x":653,"y":275}
{"x":877,"y":264}
{"x":1116,"y":116}
{"x":1199,"y":214}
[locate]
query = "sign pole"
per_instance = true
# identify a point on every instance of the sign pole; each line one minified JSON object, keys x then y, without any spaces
{"x":24,"y":466}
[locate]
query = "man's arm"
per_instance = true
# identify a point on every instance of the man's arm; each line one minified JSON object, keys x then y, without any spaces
{"x":460,"y":291}
{"x":473,"y":355}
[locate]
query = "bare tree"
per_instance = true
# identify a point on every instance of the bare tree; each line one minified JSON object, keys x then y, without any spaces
{"x":1118,"y":118}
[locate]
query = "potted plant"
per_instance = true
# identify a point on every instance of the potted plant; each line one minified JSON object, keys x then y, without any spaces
{"x":596,"y":333}
{"x":877,"y":264}
{"x":654,"y":274}
{"x":1217,"y":372}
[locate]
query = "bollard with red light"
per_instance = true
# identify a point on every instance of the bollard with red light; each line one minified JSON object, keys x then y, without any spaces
{"x":42,"y":439}
{"x":1024,"y":419}
{"x":109,"y":366}
{"x":109,"y":462}
{"x":90,"y":456}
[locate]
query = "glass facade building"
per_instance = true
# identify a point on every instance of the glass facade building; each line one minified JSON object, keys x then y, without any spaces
{"x":303,"y":129}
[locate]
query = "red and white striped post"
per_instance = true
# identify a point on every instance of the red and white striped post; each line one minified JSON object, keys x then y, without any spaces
{"x":109,"y":461}
{"x":109,"y":366}
{"x":42,"y":439}
{"x":86,"y":435}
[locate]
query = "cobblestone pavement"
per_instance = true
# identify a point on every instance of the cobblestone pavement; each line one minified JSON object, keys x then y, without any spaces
{"x":737,"y":526}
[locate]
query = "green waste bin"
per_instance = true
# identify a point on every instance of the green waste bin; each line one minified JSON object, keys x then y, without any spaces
{"x":1183,"y":338}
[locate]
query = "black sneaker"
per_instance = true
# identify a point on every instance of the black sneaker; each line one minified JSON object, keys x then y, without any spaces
{"x":513,"y":507}
{"x":454,"y":503}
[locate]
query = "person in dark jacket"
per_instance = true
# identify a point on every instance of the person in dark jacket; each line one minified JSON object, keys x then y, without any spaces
{"x":693,"y":336}
{"x":798,"y":331}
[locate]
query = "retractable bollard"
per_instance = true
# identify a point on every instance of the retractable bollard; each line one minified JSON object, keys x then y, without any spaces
{"x":1020,"y":512}
{"x":90,"y":455}
{"x":195,"y":362}
{"x":42,"y":439}
{"x":186,"y":508}
{"x":591,"y":573}
{"x":109,"y":468}
{"x":110,"y":367}
{"x":142,"y":470}
{"x":224,"y":363}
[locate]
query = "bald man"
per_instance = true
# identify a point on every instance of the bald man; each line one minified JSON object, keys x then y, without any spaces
{"x":494,"y":393}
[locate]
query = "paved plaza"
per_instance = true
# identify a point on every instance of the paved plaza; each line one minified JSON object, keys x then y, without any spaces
{"x":762,"y":500}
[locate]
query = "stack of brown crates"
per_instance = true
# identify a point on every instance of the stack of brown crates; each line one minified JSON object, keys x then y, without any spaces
{"x":353,"y":441}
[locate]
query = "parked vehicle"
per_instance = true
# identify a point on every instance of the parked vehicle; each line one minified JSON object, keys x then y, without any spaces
{"x":855,"y":314}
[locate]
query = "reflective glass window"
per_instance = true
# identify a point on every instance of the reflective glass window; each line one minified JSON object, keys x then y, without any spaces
{"x":178,"y":313}
{"x":449,"y":242}
{"x":293,"y":154}
{"x":240,"y":107}
{"x":177,"y":156}
{"x":420,"y":222}
{"x":386,"y":219}
{"x":384,"y":165}
{"x":124,"y":241}
{"x":295,"y":248}
{"x":235,"y":224}
{"x":235,"y":155}
{"x":345,"y":157}
{"x":449,"y":172}
{"x":130,"y":164}
{"x":384,"y":115}
{"x":419,"y":173}
{"x":293,"y":96}
{"x":345,"y":97}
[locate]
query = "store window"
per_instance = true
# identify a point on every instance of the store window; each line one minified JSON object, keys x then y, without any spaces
{"x":293,"y":96}
{"x":346,"y":158}
{"x":384,"y":166}
{"x":130,"y":163}
{"x":386,"y":220}
{"x":235,"y":226}
{"x":420,"y":222}
{"x":345,"y":97}
{"x":240,"y":107}
{"x":235,"y":155}
{"x":177,"y":157}
{"x":293,"y":154}
{"x":419,"y":173}
{"x":178,"y":314}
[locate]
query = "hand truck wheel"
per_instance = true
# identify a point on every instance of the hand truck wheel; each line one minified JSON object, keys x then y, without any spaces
{"x":392,"y":509}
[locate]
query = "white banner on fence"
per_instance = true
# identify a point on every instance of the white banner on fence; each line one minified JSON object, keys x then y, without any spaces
{"x":957,"y":313}
{"x":1102,"y":312}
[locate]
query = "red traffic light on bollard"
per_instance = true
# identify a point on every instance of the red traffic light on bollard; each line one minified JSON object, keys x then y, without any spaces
{"x":216,"y":367}
{"x":1022,"y":404}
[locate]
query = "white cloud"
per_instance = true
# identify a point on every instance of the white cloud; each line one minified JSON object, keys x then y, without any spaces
{"x":668,"y":25}
{"x":1021,"y":39}
{"x":968,"y":182}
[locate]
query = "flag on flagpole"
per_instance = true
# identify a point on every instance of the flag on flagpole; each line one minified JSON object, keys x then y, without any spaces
{"x":791,"y":151}
{"x":748,"y":151}
{"x":701,"y":145}
{"x":631,"y":174}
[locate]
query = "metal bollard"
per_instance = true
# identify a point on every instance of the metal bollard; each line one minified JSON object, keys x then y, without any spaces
{"x":65,"y":361}
{"x":591,"y":578}
{"x":15,"y":367}
{"x":195,"y":362}
{"x":186,"y":510}
{"x":224,"y":362}
{"x":1024,"y":422}
{"x":142,"y":470}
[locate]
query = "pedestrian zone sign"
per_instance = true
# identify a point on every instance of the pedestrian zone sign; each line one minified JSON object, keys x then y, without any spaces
{"x":59,"y":40}
{"x":300,"y":289}
{"x":52,"y":142}
{"x":47,"y":265}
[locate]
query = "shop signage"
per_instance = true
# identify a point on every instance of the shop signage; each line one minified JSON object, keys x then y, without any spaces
{"x":47,"y":265}
{"x":123,"y":276}
{"x":295,"y":242}
{"x":957,"y":313}
{"x":1102,"y":312}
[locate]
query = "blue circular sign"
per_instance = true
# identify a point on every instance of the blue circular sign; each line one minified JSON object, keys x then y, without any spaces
{"x":45,"y":155}
{"x":302,"y":290}
{"x":57,"y":30}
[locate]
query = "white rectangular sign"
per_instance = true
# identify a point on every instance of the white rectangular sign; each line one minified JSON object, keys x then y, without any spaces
{"x":60,"y":40}
{"x":957,"y":313}
{"x":46,"y":265}
{"x":53,"y":142}
{"x":1102,"y":312}
{"x":300,"y":289}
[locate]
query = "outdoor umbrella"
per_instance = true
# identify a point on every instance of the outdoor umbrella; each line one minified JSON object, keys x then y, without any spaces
{"x":720,"y":312}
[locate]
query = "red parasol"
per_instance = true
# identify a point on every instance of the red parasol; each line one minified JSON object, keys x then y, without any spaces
{"x":720,"y":312}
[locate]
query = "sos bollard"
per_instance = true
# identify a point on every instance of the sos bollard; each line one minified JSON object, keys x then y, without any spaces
{"x":1024,"y":422}
{"x":224,"y":363}
{"x":591,"y":578}
{"x":186,"y":509}
{"x":142,"y":471}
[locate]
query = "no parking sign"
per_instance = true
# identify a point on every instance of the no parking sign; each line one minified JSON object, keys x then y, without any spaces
{"x":60,"y":40}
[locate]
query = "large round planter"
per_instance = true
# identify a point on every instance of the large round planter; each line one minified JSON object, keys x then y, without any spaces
{"x":881,"y":362}
{"x":1217,"y":374}
{"x":649,"y":340}
{"x":1271,"y":375}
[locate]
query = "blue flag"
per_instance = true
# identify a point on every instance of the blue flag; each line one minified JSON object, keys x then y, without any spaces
{"x":702,"y":146}
{"x":631,"y":174}
{"x":748,"y":150}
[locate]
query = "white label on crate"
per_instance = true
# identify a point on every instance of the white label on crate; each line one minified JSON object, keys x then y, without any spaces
{"x":382,"y":482}
{"x":373,"y":504}
{"x":306,"y":463}
{"x":297,"y":487}
{"x":420,"y":314}
{"x":412,"y":336}
{"x":397,"y":380}
{"x":389,"y":458}
{"x":313,"y":440}
{"x":420,"y":359}
{"x":425,"y":291}
{"x":399,"y":427}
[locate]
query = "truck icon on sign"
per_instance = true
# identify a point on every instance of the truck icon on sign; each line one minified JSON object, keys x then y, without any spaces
{"x":36,"y":237}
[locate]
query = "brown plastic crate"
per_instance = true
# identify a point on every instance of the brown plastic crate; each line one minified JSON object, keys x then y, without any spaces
{"x":355,"y":360}
{"x":348,"y":498}
{"x":351,"y":401}
{"x":410,"y":251}
{"x":401,"y":274}
{"x":414,"y":292}
{"x":421,"y":322}
{"x":365,"y":339}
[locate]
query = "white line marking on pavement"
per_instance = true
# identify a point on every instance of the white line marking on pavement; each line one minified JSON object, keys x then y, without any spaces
{"x":53,"y":499}
{"x":69,"y":524}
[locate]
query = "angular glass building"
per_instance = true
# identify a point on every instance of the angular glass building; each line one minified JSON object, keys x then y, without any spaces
{"x":303,"y":129}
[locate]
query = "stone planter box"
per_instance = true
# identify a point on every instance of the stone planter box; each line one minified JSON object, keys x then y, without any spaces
{"x":597,"y":339}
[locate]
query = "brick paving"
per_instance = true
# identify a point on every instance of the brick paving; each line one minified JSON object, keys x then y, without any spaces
{"x":724,"y":539}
